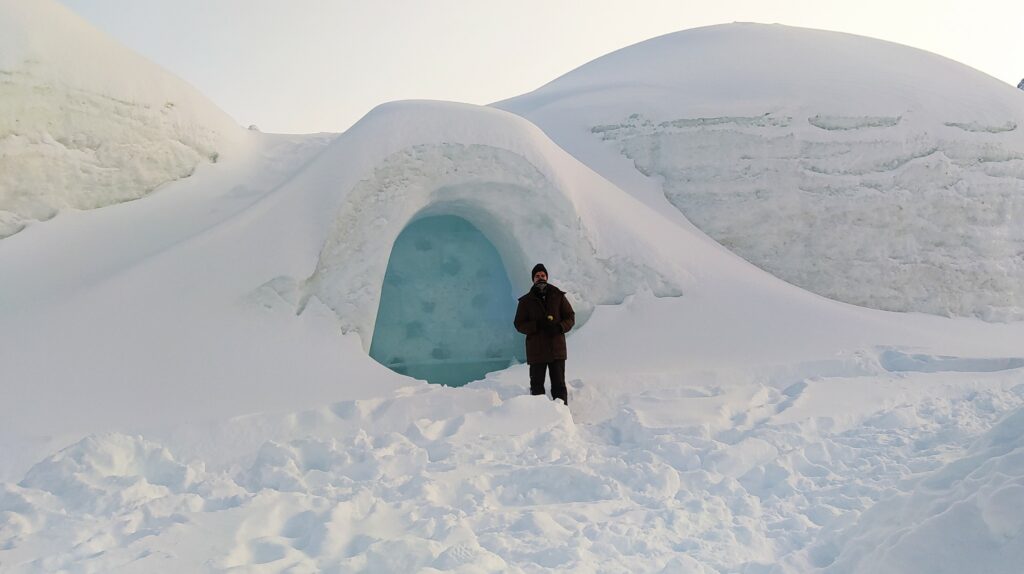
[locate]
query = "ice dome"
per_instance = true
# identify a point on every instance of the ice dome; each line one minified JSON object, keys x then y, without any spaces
{"x":866,"y":171}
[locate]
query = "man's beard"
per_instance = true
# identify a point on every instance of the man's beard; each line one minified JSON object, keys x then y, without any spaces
{"x":541,"y":285}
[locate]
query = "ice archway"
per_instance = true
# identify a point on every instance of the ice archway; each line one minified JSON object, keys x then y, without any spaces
{"x":446,"y":306}
{"x":529,"y":199}
{"x":518,"y":210}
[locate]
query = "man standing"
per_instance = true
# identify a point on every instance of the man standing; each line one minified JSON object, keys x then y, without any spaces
{"x":544,"y":315}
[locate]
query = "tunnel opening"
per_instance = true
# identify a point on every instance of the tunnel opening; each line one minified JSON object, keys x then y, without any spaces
{"x":446,"y":305}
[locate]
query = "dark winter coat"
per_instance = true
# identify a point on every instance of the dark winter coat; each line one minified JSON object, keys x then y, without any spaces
{"x":544,"y":345}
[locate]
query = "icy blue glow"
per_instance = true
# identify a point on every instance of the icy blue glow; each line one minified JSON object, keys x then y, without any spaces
{"x":446,"y":306}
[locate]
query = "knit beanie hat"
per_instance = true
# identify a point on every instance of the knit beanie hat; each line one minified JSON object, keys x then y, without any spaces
{"x":536,"y":268}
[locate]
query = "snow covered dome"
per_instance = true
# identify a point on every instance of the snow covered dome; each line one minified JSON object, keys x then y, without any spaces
{"x":86,"y":122}
{"x":480,"y":196}
{"x":865,"y":171}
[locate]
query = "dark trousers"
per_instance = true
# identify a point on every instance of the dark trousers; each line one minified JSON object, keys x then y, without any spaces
{"x":557,"y":372}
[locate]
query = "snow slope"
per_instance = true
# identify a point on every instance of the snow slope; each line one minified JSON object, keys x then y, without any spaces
{"x":865,"y":171}
{"x":86,"y":122}
{"x":974,"y":502}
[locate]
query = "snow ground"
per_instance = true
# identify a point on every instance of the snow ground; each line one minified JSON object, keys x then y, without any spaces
{"x":186,"y":385}
{"x":675,"y":473}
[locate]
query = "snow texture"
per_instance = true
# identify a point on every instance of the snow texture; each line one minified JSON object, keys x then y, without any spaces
{"x":187,"y":383}
{"x":867,"y":172}
{"x":87,"y":123}
{"x":975,"y":503}
{"x":430,"y":478}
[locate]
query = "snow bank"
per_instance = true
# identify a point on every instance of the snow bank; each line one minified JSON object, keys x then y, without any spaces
{"x":87,"y":123}
{"x":865,"y":171}
{"x":104,"y":473}
{"x":130,"y":486}
{"x":965,"y":517}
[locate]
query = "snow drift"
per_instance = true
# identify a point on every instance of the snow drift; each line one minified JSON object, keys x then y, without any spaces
{"x":88,"y":123}
{"x":976,"y":502}
{"x":865,"y":171}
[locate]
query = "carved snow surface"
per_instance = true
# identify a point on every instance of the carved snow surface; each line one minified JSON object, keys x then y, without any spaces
{"x":979,"y":127}
{"x":916,"y":223}
{"x":852,"y":123}
{"x":86,"y":123}
{"x":864,"y":171}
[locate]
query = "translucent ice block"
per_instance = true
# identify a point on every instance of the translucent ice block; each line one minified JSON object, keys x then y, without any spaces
{"x":446,"y":306}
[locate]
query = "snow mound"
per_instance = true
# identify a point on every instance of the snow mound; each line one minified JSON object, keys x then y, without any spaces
{"x":975,"y":502}
{"x":88,"y":123}
{"x":865,"y":171}
{"x":102,"y":473}
{"x":107,"y":491}
{"x":410,"y":160}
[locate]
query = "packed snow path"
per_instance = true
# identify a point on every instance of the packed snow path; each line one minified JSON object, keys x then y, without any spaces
{"x":685,"y":472}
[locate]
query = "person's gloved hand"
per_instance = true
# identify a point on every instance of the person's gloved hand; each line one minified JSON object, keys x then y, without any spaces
{"x":552,"y":326}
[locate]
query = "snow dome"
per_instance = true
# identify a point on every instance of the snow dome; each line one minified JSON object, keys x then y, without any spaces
{"x":862,"y":170}
{"x":429,"y":249}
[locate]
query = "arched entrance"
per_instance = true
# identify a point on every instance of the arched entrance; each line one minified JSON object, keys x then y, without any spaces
{"x":446,"y":306}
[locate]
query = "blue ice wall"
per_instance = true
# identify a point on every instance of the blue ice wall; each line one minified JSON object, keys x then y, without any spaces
{"x":446,"y":306}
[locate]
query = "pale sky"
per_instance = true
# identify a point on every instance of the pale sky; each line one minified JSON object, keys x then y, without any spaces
{"x":300,"y":66}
